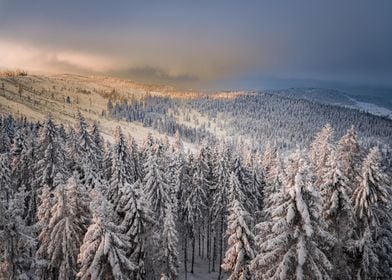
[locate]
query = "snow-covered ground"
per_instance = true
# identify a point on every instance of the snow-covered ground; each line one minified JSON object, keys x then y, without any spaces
{"x":371,"y":108}
{"x":200,"y":270}
{"x":42,"y":95}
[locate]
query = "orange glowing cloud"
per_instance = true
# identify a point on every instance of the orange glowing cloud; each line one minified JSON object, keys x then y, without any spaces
{"x":16,"y":55}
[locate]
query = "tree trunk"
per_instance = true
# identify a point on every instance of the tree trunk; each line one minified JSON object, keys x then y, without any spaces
{"x":220,"y":248}
{"x":202,"y":242}
{"x":209,"y":244}
{"x":214,"y":253}
{"x":199,"y":237}
{"x":186,"y":256}
{"x":193,"y":252}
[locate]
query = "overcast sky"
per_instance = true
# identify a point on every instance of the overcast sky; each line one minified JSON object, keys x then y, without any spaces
{"x":203,"y":44}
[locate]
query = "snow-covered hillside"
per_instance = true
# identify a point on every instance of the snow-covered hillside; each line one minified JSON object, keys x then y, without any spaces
{"x":334,"y":97}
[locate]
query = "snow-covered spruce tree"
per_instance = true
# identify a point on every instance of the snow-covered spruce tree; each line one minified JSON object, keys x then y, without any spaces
{"x":89,"y":155}
{"x":196,"y":209}
{"x":135,"y":158}
{"x":18,"y":145}
{"x":184,"y":177}
{"x":269,"y":158}
{"x":156,"y":184}
{"x":122,"y":169}
{"x":86,"y":142}
{"x":244,"y":177}
{"x":240,"y":238}
{"x":372,"y":202}
{"x":175,"y":171}
{"x":337,"y":212}
{"x":136,"y":225}
{"x":372,"y":188}
{"x":98,"y":144}
{"x":220,"y":201}
{"x":43,"y":216}
{"x":23,"y":174}
{"x":321,"y":148}
{"x":108,"y":162}
{"x":47,"y":200}
{"x":5,"y":141}
{"x":277,"y":179}
{"x":146,"y":150}
{"x":169,"y":254}
{"x":293,"y":241}
{"x":16,"y":238}
{"x":67,"y":226}
{"x":103,"y":254}
{"x":348,"y":153}
{"x":6,"y":189}
{"x":256,"y":181}
{"x":72,"y":149}
{"x":203,"y":165}
{"x":50,"y":154}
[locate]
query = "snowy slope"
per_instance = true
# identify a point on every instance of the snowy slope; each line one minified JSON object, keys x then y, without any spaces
{"x":35,"y":96}
{"x":333,"y":97}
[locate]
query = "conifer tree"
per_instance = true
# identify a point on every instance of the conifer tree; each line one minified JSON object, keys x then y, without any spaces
{"x":98,"y":144}
{"x":136,"y":225}
{"x":220,"y":201}
{"x":321,"y":148}
{"x":337,"y":212}
{"x":122,"y":176}
{"x":293,"y":240}
{"x":44,"y":213}
{"x":156,"y":184}
{"x":67,"y":225}
{"x":108,"y":162}
{"x":269,"y":158}
{"x":348,"y":153}
{"x":16,"y":238}
{"x":372,"y":202}
{"x":256,"y":182}
{"x":169,"y":253}
{"x":23,"y":174}
{"x":273,"y":182}
{"x":240,"y":239}
{"x":50,"y":154}
{"x":244,"y":178}
{"x":103,"y":254}
{"x":196,"y":208}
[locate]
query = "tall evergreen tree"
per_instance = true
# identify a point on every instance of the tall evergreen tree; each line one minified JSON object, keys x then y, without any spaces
{"x":103,"y":254}
{"x":98,"y":144}
{"x":240,"y":239}
{"x":293,"y":241}
{"x":372,"y":203}
{"x":321,"y":148}
{"x":156,"y":184}
{"x":337,"y":212}
{"x":24,"y":176}
{"x":50,"y":154}
{"x":136,"y":225}
{"x":196,"y":209}
{"x":220,"y":202}
{"x":122,"y":176}
{"x":16,"y":238}
{"x":348,"y":153}
{"x":269,"y":158}
{"x":67,"y":226}
{"x":244,"y":177}
{"x":169,"y":253}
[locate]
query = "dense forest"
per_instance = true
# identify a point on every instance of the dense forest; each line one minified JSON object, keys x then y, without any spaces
{"x":153,"y":112}
{"x":291,"y":122}
{"x":75,"y":207}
